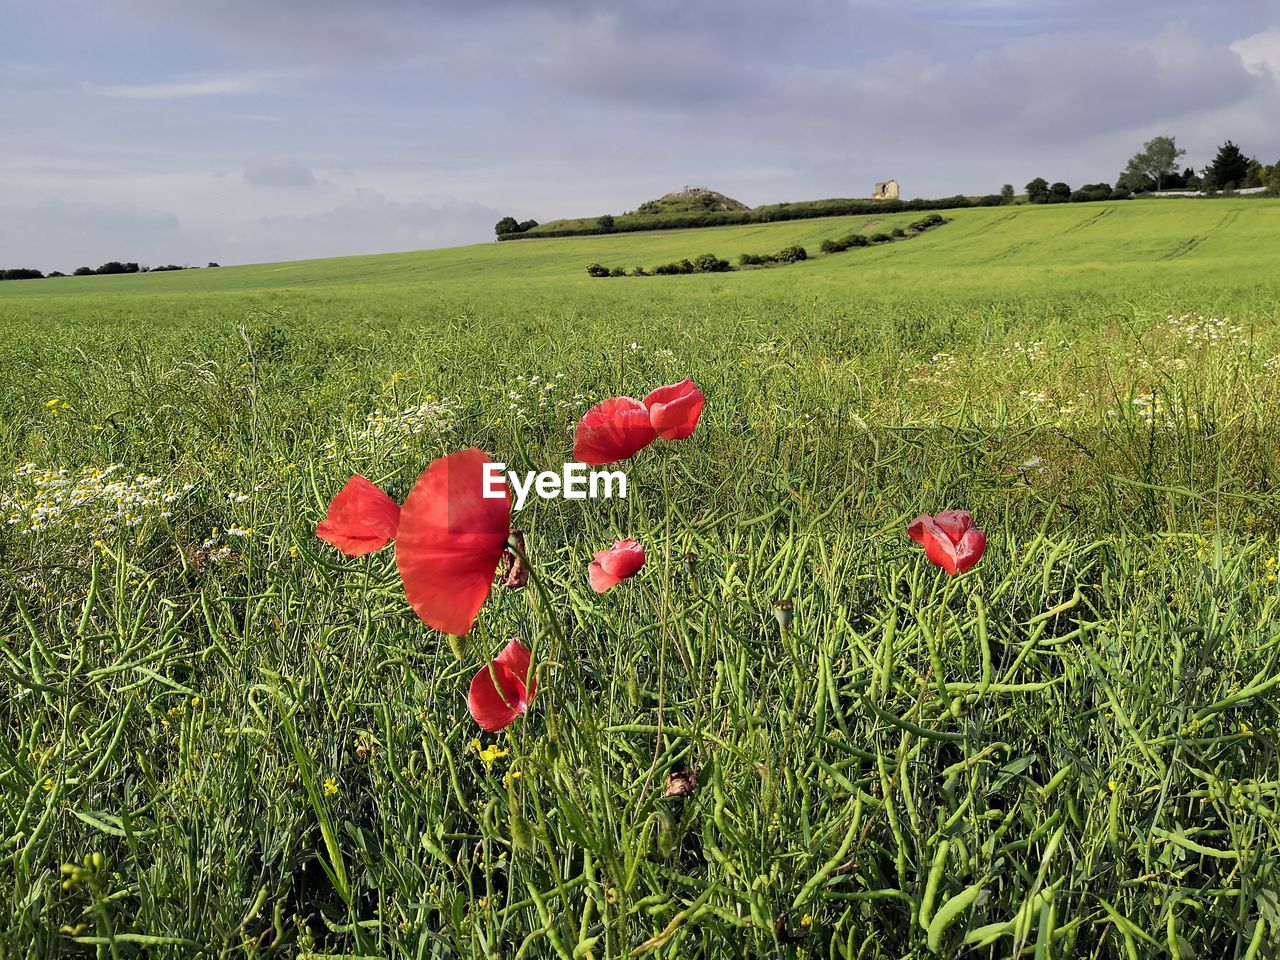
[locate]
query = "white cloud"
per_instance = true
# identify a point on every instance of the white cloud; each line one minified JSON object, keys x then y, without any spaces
{"x":246,"y":83}
{"x":1260,"y":53}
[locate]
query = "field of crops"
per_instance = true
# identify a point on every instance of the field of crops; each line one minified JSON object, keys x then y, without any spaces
{"x":789,"y":734}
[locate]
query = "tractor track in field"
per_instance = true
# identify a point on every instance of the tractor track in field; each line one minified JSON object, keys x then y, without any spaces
{"x":1188,"y":245}
{"x":1106,"y":212}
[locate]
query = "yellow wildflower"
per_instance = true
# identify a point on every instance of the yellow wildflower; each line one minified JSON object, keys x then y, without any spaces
{"x":330,"y":786}
{"x":488,"y":755}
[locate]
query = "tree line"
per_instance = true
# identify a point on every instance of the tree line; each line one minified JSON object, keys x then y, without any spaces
{"x":108,"y":268}
{"x":1156,"y":167}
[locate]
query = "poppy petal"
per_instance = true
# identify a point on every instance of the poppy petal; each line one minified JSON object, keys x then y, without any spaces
{"x":954,"y":523}
{"x":599,"y":579}
{"x":674,"y":409}
{"x":490,"y":707}
{"x":515,"y":657}
{"x":937,"y":545}
{"x":970,"y":549}
{"x":361,"y":519}
{"x":451,"y":539}
{"x":621,"y":560}
{"x":611,"y":431}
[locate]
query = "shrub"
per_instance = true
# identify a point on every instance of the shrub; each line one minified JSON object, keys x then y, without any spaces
{"x":791,"y":255}
{"x":710,"y":263}
{"x":595,"y":270}
{"x":1120,"y":193}
{"x":833,"y":246}
{"x":213,"y":263}
{"x":898,"y":232}
{"x":617,"y":272}
{"x":527,"y":225}
{"x":82,"y":272}
{"x":754,"y":259}
{"x":880,"y":238}
{"x":606,"y":223}
{"x":639,"y":272}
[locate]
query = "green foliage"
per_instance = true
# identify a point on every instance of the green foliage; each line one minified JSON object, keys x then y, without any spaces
{"x":596,"y":270}
{"x":1059,"y":192}
{"x":1151,"y":167}
{"x":605,"y":223}
{"x":1229,"y":170}
{"x":710,"y":263}
{"x":1006,"y":192}
{"x":1091,"y":192}
{"x":1038,"y":190}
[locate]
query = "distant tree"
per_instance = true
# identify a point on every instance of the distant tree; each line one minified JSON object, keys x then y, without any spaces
{"x":56,"y":273}
{"x":1271,"y":178}
{"x":527,"y":225}
{"x":21,"y":273}
{"x":1092,"y":191}
{"x":506,"y":225}
{"x":112,"y":267}
{"x":1006,"y":192}
{"x":214,"y":263}
{"x":1038,"y":190}
{"x":605,"y":223}
{"x":1149,"y":167}
{"x":1059,"y":192}
{"x":1229,"y":169}
{"x":1254,"y":177}
{"x":82,"y":272}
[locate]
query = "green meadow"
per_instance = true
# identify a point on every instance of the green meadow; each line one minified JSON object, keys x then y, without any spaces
{"x":789,"y":734}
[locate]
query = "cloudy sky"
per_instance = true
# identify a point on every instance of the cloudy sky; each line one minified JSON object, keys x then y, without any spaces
{"x":251,"y":130}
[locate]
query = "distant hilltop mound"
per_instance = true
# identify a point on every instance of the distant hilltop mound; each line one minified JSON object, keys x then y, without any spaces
{"x":683,"y":208}
{"x":695,"y":198}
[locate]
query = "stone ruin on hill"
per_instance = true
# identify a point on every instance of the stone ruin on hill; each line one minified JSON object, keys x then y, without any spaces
{"x":888,"y":190}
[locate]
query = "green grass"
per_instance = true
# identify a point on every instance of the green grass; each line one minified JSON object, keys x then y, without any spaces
{"x":1068,"y":752}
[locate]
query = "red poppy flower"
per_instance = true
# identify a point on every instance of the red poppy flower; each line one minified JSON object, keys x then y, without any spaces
{"x":493,"y":706}
{"x":451,"y":539}
{"x":610,"y":567}
{"x":612,"y":430}
{"x":949,"y":539}
{"x":361,"y":519}
{"x":674,"y":410}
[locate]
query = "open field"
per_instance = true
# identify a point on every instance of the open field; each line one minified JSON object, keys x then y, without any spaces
{"x":1069,"y":751}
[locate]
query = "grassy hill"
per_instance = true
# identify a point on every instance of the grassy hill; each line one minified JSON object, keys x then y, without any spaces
{"x":224,"y":738}
{"x":1189,"y":249}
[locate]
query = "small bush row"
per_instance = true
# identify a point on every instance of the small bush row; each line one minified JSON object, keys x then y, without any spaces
{"x":898,"y":233}
{"x":785,"y":255}
{"x":706,"y":263}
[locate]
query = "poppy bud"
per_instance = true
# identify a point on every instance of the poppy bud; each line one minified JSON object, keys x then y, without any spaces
{"x":457,"y":645}
{"x":782,"y":612}
{"x":514,"y":573}
{"x":681,"y":783}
